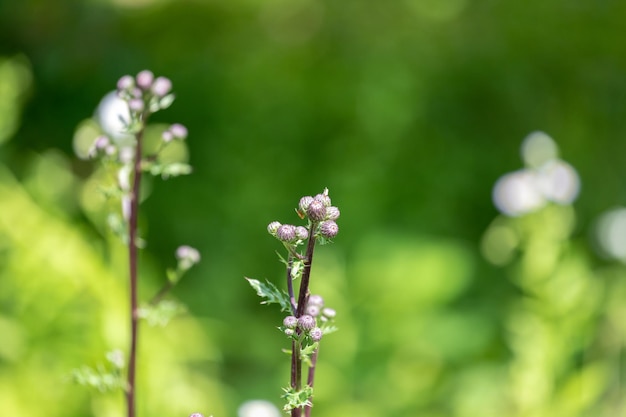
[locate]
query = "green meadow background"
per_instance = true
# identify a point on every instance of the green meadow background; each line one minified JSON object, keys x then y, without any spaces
{"x":409,"y":112}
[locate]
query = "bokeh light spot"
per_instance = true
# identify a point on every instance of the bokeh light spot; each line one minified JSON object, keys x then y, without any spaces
{"x":611,"y":233}
{"x":516,"y":193}
{"x":538,"y":148}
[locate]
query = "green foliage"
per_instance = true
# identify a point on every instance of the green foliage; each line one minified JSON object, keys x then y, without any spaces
{"x":270,"y":294}
{"x":407,"y":110}
{"x":297,"y":399}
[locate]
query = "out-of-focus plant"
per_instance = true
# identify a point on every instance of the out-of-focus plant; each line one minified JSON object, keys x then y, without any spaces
{"x":551,"y":325}
{"x":125,"y":156}
{"x":308,"y":319}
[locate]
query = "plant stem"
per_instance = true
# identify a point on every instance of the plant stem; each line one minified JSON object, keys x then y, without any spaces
{"x":311,"y":378}
{"x":306,"y":273}
{"x":296,"y":361}
{"x":132,"y":254}
{"x":292,"y":298}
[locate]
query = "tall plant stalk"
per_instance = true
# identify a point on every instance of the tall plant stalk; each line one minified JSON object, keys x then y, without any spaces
{"x":308,"y":320}
{"x":133,"y":272}
{"x":142,"y":96}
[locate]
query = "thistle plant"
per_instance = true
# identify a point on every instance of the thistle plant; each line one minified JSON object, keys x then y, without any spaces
{"x":124,"y":159}
{"x":307,"y":319}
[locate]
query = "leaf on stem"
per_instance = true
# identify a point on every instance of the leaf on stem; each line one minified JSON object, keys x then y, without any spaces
{"x":297,"y":399}
{"x":271,"y":294}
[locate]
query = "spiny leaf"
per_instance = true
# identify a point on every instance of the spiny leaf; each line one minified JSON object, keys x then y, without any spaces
{"x":271,"y":294}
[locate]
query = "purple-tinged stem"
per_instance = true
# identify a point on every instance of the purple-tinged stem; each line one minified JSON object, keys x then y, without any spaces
{"x":311,"y":379}
{"x":306,"y":273}
{"x":296,"y":361}
{"x":132,"y":254}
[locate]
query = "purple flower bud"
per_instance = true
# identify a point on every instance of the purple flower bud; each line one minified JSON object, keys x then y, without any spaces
{"x":290,"y":322}
{"x":136,"y":105}
{"x":316,"y":334}
{"x":161,"y":86}
{"x":316,"y":300}
{"x":136,"y":92}
{"x":316,"y":211}
{"x":286,"y":233}
{"x":187,"y":252}
{"x":273,"y":227}
{"x":289,"y":332}
{"x":187,"y":257}
{"x":101,"y":142}
{"x":313,"y":310}
{"x":196,"y":415}
{"x":179,"y":131}
{"x":329,"y":229}
{"x":144,"y":79}
{"x":167,"y":136}
{"x":304,"y":203}
{"x":126,"y":82}
{"x":302,"y":233}
{"x":332,"y":213}
{"x":306,"y":322}
{"x":324,"y":198}
{"x":329,"y":313}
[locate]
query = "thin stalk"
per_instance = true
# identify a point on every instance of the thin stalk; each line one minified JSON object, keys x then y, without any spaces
{"x":306,"y":273}
{"x":296,"y":373}
{"x":132,"y":254}
{"x":311,"y":379}
{"x":296,"y":361}
{"x":292,"y":298}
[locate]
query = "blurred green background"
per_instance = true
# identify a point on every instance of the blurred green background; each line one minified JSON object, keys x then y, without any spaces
{"x":408,"y":111}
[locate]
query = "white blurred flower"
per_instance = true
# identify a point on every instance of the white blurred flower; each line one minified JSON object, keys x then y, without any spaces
{"x":258,"y":408}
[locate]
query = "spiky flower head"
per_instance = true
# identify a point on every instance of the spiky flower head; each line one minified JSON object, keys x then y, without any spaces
{"x":306,"y":322}
{"x":273,"y":227}
{"x":316,"y":334}
{"x":302,"y":233}
{"x":324,"y":198}
{"x":290,"y":322}
{"x":316,"y":299}
{"x":332,"y":213}
{"x":316,"y":210}
{"x":286,"y":233}
{"x":329,"y":229}
{"x":313,"y":310}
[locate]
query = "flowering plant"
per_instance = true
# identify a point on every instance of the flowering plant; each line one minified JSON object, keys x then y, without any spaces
{"x":122,"y":151}
{"x":307,"y":320}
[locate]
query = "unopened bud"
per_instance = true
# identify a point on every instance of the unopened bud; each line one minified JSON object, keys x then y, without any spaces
{"x":145,"y":79}
{"x":161,"y":86}
{"x":286,"y":233}
{"x":316,"y":211}
{"x":306,"y":322}
{"x":332,"y":213}
{"x":329,"y":229}
{"x":316,"y":334}
{"x":302,"y":233}
{"x":273,"y":227}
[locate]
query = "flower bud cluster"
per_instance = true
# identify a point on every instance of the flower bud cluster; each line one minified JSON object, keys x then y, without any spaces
{"x":315,"y":307}
{"x":288,"y":233}
{"x":144,"y":92}
{"x":187,"y":257}
{"x":321,"y":213}
{"x":305,"y":324}
{"x":102,"y":146}
{"x":175,"y":131}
